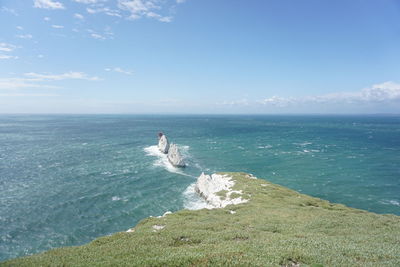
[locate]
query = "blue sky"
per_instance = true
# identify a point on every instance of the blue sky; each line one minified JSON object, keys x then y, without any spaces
{"x":199,"y":56}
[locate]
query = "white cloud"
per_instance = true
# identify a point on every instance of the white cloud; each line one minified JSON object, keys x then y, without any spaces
{"x":57,"y":26}
{"x":105,"y":10}
{"x":7,"y":47}
{"x":47,"y":18}
{"x":7,"y":57}
{"x":87,"y":1}
{"x":241,"y":102}
{"x":120,"y":70}
{"x":141,"y":8}
{"x":20,"y":83}
{"x":159,"y":17}
{"x":63,"y":76}
{"x":79,"y":16}
{"x":276,"y":101}
{"x":36,"y":80}
{"x":19,"y":28}
{"x":165,"y":19}
{"x":48,"y":4}
{"x":24,"y":36}
{"x":107,"y":34}
{"x":130,"y":9}
{"x":376,"y":97}
{"x":91,"y":10}
{"x":136,"y":7}
{"x":97,"y":36}
{"x":384,"y":92}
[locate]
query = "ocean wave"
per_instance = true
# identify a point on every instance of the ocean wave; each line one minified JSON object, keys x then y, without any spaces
{"x":162,"y":160}
{"x":266,"y":146}
{"x":305,"y":143}
{"x":192,"y":200}
{"x":391,"y":202}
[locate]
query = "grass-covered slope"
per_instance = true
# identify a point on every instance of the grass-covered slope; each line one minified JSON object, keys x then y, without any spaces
{"x":277,"y":227}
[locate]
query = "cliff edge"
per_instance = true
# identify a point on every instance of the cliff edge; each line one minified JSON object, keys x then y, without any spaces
{"x":271,"y":226}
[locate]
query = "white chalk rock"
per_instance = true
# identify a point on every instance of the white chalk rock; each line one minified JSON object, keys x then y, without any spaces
{"x":163,"y":144}
{"x":209,"y":185}
{"x":158,"y":227}
{"x":175,"y":157}
{"x":165,"y":214}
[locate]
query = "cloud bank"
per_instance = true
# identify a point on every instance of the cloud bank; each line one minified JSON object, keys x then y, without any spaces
{"x":35,"y":80}
{"x":129,"y":9}
{"x":383,"y":92}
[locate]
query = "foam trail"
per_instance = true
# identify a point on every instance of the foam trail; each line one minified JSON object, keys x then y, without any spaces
{"x":390,"y":202}
{"x":192,"y":200}
{"x":162,"y":160}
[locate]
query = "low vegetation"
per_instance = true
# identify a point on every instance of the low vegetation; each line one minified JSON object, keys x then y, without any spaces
{"x":277,"y":227}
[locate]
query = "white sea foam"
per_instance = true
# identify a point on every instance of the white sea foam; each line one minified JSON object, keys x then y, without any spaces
{"x":391,"y":202}
{"x":192,"y":200}
{"x":162,"y":159}
{"x":266,"y":146}
{"x":303,"y":144}
{"x":115,"y":198}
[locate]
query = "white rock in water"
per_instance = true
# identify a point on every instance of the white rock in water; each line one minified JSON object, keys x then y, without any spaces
{"x":163,"y":144}
{"x":175,"y":157}
{"x":209,"y":185}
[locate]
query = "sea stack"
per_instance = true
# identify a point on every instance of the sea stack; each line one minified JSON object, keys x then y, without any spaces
{"x":175,"y":157}
{"x":163,"y":144}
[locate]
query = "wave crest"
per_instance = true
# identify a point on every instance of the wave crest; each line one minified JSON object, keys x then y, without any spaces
{"x":192,"y":200}
{"x":162,"y":160}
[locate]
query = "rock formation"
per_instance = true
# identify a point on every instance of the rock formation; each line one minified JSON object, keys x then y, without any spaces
{"x":163,"y":144}
{"x":217,"y":189}
{"x":175,"y":157}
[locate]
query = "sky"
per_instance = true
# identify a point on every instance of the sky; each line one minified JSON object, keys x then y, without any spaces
{"x":200,"y":56}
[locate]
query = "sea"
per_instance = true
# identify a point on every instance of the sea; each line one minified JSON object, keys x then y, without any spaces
{"x":68,"y":179}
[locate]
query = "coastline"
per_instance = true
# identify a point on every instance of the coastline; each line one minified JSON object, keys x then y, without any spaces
{"x":277,"y":226}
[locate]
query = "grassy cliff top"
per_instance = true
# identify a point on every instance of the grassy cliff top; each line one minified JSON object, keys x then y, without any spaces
{"x":277,"y":227}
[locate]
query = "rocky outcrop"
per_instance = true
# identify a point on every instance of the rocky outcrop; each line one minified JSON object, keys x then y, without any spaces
{"x":175,"y":157}
{"x":163,"y":144}
{"x":217,"y":190}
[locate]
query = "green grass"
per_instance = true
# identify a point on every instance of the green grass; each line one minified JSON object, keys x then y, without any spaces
{"x":222,"y":194}
{"x":277,"y":227}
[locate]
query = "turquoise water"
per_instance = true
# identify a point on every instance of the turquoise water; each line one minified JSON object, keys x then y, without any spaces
{"x":65,"y":180}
